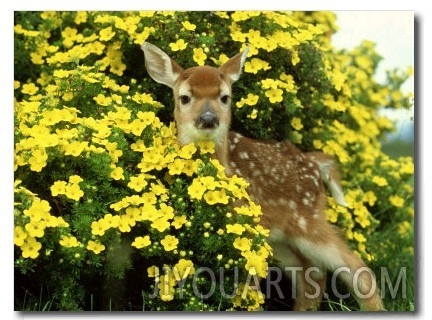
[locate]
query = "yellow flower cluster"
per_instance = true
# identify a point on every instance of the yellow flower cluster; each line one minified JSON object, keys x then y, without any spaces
{"x":71,"y":190}
{"x":248,"y":297}
{"x":34,"y":221}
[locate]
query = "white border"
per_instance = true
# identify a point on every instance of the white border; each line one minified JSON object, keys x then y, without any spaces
{"x":6,"y":125}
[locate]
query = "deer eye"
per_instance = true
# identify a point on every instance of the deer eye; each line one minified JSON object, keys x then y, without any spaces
{"x":225,"y":99}
{"x":185,"y":99}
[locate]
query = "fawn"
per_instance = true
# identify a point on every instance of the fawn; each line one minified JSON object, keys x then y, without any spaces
{"x":287,"y":183}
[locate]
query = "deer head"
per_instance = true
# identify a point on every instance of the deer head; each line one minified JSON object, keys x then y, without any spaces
{"x":202,"y":95}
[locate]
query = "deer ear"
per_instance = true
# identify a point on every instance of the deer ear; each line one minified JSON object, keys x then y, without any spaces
{"x":234,"y":66}
{"x":160,"y":66}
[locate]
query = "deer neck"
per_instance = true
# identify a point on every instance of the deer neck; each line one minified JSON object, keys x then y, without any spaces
{"x":222,"y":155}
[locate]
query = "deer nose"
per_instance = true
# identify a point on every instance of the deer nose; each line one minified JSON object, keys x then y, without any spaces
{"x":207,"y":120}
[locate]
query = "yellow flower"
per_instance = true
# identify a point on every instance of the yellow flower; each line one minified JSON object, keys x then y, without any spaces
{"x":81,"y":17}
{"x":166,"y":287}
{"x":102,"y":100}
{"x":19,"y":236}
{"x":160,"y":224}
{"x":407,"y":166}
{"x":96,"y":247}
{"x":183,"y":268}
{"x":106,"y":34}
{"x":222,"y":59}
{"x":141,"y":242}
{"x":256,"y":263}
{"x":252,"y":210}
{"x":36,"y":229}
{"x":137,"y":183}
{"x":149,"y":212}
{"x":222,"y":14}
{"x":38,"y":210}
{"x":370,"y":198}
{"x":318,"y":144}
{"x":331,"y":215}
{"x":158,"y":189}
{"x":176,"y":167}
{"x":29,"y":88}
{"x":117,"y":173}
{"x":206,"y":146}
{"x":196,"y":190}
{"x":251,"y":99}
{"x":110,"y":221}
{"x":242,"y":244}
{"x":380,"y":181}
{"x":208,"y":182}
{"x":189,"y":26}
{"x":295,"y":59}
{"x":397,"y":201}
{"x":98,"y":228}
{"x":136,"y":127}
{"x":153,"y":271}
{"x":147,"y":117}
{"x":138,"y":146}
{"x":73,"y":192}
{"x":178,"y":45}
{"x":131,"y":216}
{"x":38,"y":160}
{"x":75,"y":148}
{"x":269,"y":83}
{"x":30,"y":248}
{"x":199,"y":56}
{"x":235,"y":228}
{"x":69,"y":242}
{"x":213,"y":197}
{"x":190,"y":167}
{"x":404,"y":227}
{"x":179,"y":221}
{"x":256,"y":65}
{"x":359,"y":237}
{"x":117,"y":67}
{"x":274,"y":95}
{"x":338,"y":78}
{"x":296,"y":123}
{"x":169,"y":242}
{"x":187,"y":151}
{"x":51,"y":117}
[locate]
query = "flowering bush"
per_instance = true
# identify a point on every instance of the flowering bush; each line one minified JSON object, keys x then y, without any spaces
{"x":105,"y":196}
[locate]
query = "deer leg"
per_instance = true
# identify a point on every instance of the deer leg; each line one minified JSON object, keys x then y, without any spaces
{"x":361,"y":282}
{"x":334,"y":254}
{"x":311,"y":286}
{"x":309,"y":282}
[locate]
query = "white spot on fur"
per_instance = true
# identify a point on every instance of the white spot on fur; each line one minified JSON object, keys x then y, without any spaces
{"x":244,"y":155}
{"x":307,"y":202}
{"x":283,"y":201}
{"x":277,"y":235}
{"x":302,"y":224}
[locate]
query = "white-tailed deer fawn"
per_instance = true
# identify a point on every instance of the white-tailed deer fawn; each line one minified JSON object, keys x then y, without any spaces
{"x":287,"y":183}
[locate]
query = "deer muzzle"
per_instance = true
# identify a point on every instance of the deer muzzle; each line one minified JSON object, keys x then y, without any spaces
{"x":207,"y":120}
